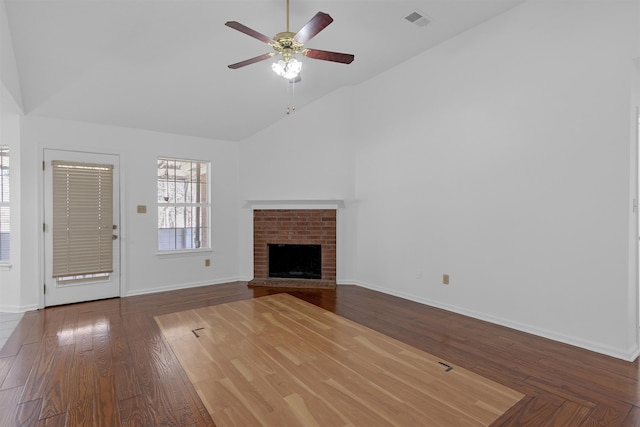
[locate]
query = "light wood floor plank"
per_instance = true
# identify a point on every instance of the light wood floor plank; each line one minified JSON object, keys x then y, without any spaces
{"x":278,"y":360}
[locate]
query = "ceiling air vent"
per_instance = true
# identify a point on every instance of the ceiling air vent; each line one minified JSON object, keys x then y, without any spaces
{"x":417,"y":18}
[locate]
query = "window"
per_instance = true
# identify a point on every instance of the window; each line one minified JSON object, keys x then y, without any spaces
{"x":5,"y":221}
{"x":183,"y":205}
{"x":82,"y":227}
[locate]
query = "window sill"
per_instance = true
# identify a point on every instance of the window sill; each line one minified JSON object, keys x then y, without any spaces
{"x":5,"y":266}
{"x":183,"y":253}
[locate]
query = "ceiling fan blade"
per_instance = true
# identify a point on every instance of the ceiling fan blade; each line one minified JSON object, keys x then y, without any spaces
{"x":248,"y":31}
{"x":318,"y":23}
{"x":251,"y":61}
{"x":324,"y":55}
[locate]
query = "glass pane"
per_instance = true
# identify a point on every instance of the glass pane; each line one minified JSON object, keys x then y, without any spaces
{"x":166,"y":228}
{"x":183,"y":227}
{"x":166,"y":217}
{"x":163,"y":196}
{"x":4,"y":174}
{"x":81,"y":279}
{"x":4,"y":185}
{"x":202,"y":184}
{"x":179,"y":189}
{"x":4,"y":233}
{"x":202,"y":233}
{"x":180,"y":219}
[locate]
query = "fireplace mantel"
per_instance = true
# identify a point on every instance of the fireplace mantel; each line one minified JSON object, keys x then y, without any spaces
{"x":295,"y":204}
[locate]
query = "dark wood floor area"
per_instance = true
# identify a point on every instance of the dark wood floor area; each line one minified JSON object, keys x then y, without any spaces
{"x":107,"y":363}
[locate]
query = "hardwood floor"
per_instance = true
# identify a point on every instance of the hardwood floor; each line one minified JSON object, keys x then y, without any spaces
{"x":107,"y":363}
{"x":8,"y":322}
{"x":278,"y":360}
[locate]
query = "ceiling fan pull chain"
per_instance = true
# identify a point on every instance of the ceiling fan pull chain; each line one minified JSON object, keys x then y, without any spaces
{"x":290,"y":97}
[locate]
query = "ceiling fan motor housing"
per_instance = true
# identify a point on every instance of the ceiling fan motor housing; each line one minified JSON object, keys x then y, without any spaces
{"x":286,"y":45}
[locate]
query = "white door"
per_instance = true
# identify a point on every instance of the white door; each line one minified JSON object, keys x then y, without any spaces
{"x":87,"y":286}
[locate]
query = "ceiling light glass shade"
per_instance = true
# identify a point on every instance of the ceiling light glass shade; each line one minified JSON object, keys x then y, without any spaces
{"x":289,"y":70}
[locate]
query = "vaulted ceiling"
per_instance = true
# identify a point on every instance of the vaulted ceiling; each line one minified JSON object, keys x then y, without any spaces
{"x":162,"y":64}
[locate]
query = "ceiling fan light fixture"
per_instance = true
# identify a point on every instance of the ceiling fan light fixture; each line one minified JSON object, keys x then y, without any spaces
{"x":289,"y":69}
{"x":286,"y":45}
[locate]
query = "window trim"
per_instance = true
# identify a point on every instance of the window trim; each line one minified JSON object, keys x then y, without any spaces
{"x":183,"y":252}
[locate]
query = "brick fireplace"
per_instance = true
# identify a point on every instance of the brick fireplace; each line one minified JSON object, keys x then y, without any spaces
{"x":298,"y":227}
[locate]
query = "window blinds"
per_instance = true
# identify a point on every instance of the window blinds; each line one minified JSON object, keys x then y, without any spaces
{"x":82,"y":226}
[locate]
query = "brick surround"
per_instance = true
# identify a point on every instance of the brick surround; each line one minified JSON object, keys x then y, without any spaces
{"x":294,"y":226}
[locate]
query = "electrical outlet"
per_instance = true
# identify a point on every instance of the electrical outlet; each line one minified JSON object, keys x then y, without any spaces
{"x":142,"y":209}
{"x":207,"y":262}
{"x":445,"y":279}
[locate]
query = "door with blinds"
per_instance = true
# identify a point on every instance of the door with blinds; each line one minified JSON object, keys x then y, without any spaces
{"x":81,"y":229}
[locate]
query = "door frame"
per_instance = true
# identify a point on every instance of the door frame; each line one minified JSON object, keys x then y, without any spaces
{"x":634,"y":245}
{"x":118,"y":189}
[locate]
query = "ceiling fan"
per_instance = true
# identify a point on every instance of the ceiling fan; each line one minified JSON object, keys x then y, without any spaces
{"x":288,"y":45}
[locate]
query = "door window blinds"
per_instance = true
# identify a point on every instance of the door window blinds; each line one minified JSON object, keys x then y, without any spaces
{"x":82,"y":226}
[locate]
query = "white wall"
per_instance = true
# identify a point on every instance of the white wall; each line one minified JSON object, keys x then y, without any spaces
{"x":307,"y":156}
{"x":142,"y":270}
{"x":501,"y":157}
{"x":8,"y":69}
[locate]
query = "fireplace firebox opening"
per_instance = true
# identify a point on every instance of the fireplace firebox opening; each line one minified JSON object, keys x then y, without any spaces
{"x":297,"y":261}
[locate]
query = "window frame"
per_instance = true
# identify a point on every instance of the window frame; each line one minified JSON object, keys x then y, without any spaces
{"x":5,"y":151}
{"x":207,"y":205}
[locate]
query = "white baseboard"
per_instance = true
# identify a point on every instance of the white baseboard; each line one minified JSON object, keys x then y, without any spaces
{"x":350,"y":282}
{"x":178,"y":286}
{"x":17,"y":309}
{"x":628,"y":354}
